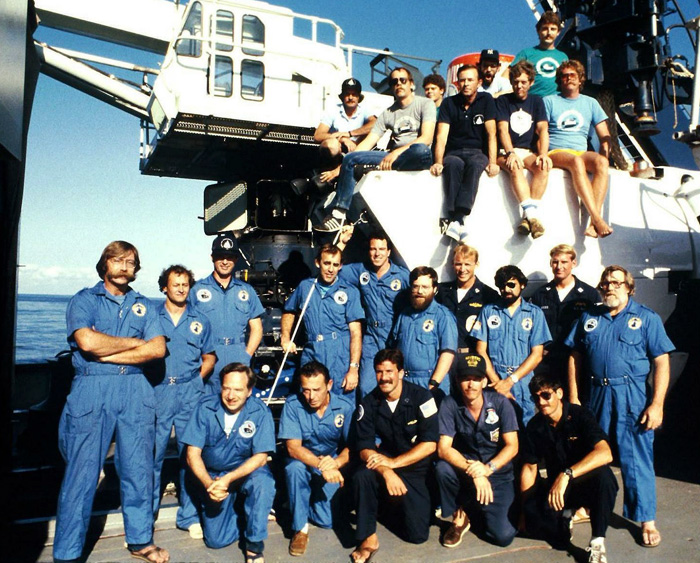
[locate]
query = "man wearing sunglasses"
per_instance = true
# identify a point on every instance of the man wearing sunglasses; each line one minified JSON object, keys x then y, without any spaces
{"x":511,"y":335}
{"x":411,"y":120}
{"x":478,"y":441}
{"x":576,"y":455}
{"x":619,"y":341}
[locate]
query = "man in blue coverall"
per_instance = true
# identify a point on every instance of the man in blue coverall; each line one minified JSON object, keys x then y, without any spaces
{"x":379,"y":282}
{"x":112,"y":332}
{"x":228,"y":440}
{"x":511,"y":335}
{"x":232,"y":307}
{"x":478,"y":441}
{"x":315,"y":425}
{"x":179,"y":382}
{"x":619,"y":340}
{"x":332,"y":319}
{"x":426,"y":333}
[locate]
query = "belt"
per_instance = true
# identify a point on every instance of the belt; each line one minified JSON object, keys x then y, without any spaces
{"x":107,"y":369}
{"x":178,"y":379}
{"x":606,"y":381}
{"x":230,"y":341}
{"x":376,"y":323}
{"x":321,"y":337}
{"x":509,"y":369}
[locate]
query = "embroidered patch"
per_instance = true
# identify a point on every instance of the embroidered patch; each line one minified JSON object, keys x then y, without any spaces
{"x":527,"y":324}
{"x":429,"y":408}
{"x":428,"y":325}
{"x":226,"y":244}
{"x":478,"y":119}
{"x":243,"y":295}
{"x":364,"y":278}
{"x":491,"y":416}
{"x":635,"y":323}
{"x":495,"y":434}
{"x":339,"y":419}
{"x":340,"y":297}
{"x":412,"y":422}
{"x":494,"y":321}
{"x":139,"y":309}
{"x":247,"y":429}
{"x":360,"y":412}
{"x":204,"y":295}
{"x":395,"y":284}
{"x":590,"y":325}
{"x":469,"y":323}
{"x":196,"y":327}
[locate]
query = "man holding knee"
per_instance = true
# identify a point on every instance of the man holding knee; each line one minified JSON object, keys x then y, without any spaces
{"x":411,"y":120}
{"x":315,"y":426}
{"x":229,"y":438}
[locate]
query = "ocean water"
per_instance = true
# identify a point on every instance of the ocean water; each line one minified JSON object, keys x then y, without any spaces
{"x":41,"y":327}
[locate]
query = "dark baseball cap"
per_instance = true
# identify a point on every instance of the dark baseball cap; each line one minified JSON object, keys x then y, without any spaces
{"x":469,"y":364}
{"x":225,"y":245}
{"x":351,"y":84}
{"x":489,"y":55}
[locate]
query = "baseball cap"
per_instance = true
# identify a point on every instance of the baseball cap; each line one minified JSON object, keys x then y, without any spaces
{"x":469,"y":364}
{"x":225,"y":245}
{"x":489,"y":55}
{"x":351,"y":84}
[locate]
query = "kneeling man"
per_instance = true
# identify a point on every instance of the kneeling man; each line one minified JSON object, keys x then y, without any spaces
{"x":576,"y":455}
{"x":229,"y":437}
{"x":478,"y":440}
{"x":315,"y":426}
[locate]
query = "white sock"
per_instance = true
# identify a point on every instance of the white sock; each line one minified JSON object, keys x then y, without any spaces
{"x":305,"y":529}
{"x":529,"y":207}
{"x":339,"y":213}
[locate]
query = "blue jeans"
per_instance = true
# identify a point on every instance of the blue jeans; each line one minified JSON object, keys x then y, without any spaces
{"x":415,"y":157}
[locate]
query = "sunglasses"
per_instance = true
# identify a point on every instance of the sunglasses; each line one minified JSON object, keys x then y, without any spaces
{"x":546,"y":395}
{"x":395,"y":81}
{"x":510,"y":285}
{"x":614,"y":284}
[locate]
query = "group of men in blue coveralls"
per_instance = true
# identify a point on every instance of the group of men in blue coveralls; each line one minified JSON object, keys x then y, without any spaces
{"x":404,"y":382}
{"x":538,"y":121}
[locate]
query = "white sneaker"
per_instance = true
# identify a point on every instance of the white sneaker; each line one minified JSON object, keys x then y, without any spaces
{"x":196,"y":532}
{"x":454,"y":230}
{"x":463,"y":234}
{"x":596,"y":554}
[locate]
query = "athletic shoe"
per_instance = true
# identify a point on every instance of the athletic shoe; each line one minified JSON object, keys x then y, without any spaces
{"x":536,"y":228}
{"x":196,"y":532}
{"x":523,"y":227}
{"x":330,"y":224}
{"x":454,"y":230}
{"x":596,"y":554}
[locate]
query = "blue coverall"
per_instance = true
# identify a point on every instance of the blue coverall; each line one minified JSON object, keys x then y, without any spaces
{"x":422,"y":336}
{"x":378,"y":301}
{"x":176,"y":394}
{"x":510,"y":341}
{"x":331,"y":309}
{"x":229,"y":311}
{"x":619,"y":351}
{"x":105,"y":398}
{"x":309,"y":493}
{"x":253,"y":432}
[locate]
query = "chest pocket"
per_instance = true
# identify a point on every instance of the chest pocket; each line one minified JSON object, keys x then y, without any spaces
{"x":137,"y":325}
{"x":631,"y":337}
{"x":241,"y":305}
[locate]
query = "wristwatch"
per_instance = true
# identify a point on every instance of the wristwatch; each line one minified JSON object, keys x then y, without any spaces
{"x":569,"y":472}
{"x":354,"y":365}
{"x":492,"y":466}
{"x":513,"y":378}
{"x":433,"y":382}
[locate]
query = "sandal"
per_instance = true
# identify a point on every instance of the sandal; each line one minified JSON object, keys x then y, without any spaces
{"x":651,"y":537}
{"x":152,"y":554}
{"x":365,"y":555}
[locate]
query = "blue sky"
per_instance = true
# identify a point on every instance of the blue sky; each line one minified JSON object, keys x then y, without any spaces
{"x":83,"y":187}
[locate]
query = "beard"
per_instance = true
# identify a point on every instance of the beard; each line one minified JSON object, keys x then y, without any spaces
{"x":421,"y":303}
{"x":612,"y":301}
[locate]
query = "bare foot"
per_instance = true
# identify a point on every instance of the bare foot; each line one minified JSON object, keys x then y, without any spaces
{"x":366,"y":550}
{"x":651,"y":537}
{"x":601,"y":228}
{"x":590,"y":231}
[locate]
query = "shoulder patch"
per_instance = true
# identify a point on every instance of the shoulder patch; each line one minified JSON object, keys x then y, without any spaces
{"x":139,"y":309}
{"x":429,"y":408}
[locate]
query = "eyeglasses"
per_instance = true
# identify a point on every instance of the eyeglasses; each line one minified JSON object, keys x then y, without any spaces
{"x":124,"y":262}
{"x":510,"y":285}
{"x":546,"y":395}
{"x":400,"y":79}
{"x":569,"y":75}
{"x":614,"y":284}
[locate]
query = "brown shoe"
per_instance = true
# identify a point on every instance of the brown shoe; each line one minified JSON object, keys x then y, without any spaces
{"x":454,"y":534}
{"x":523,"y":227}
{"x":536,"y":228}
{"x":297,"y":546}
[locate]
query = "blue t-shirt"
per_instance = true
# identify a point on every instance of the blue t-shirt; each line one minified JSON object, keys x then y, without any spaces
{"x":546,"y":63}
{"x":570,"y":120}
{"x":467,"y":127}
{"x":338,"y":120}
{"x":522,"y":117}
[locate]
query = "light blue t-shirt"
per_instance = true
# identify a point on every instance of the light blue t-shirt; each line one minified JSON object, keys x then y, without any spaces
{"x":570,"y":120}
{"x":338,"y":120}
{"x":546,"y":62}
